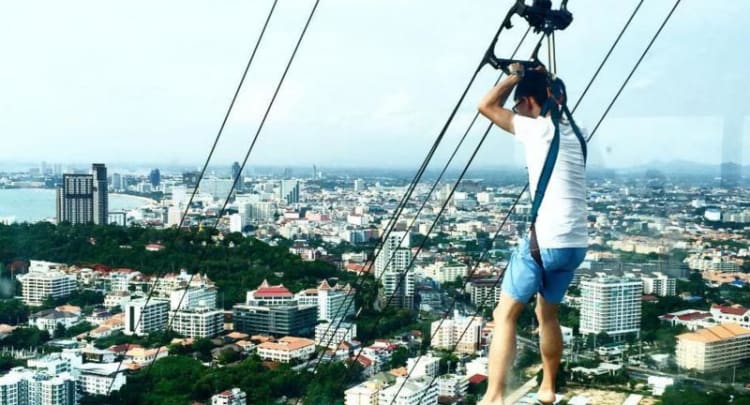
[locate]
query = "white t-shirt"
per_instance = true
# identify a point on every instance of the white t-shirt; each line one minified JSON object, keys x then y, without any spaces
{"x":561,"y":222}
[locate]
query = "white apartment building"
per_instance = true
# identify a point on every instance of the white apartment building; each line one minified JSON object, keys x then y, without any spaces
{"x":117,"y":299}
{"x":332,"y":302}
{"x":425,"y":366}
{"x":25,"y":387}
{"x":199,"y":322}
{"x":363,"y":394}
{"x":100,"y":378}
{"x":611,"y":304}
{"x":286,"y":349}
{"x":485,"y":292}
{"x":142,"y":318}
{"x":391,"y":264}
{"x":452,"y":385}
{"x":477,"y":366}
{"x":714,"y":348}
{"x":448,"y":334}
{"x":659,"y":284}
{"x":192,"y":297}
{"x":43,"y":280}
{"x":415,"y":391}
{"x":235,"y":396}
{"x":327,"y":334}
{"x":445,"y":272}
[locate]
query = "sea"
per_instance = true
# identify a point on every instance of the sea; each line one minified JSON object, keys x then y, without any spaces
{"x":36,"y":204}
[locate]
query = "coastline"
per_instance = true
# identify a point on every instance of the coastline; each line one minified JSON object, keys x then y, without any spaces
{"x":146,"y":200}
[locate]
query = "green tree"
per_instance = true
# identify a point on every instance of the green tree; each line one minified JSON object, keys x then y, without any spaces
{"x":399,"y":357}
{"x":59,"y":331}
{"x":13,"y":312}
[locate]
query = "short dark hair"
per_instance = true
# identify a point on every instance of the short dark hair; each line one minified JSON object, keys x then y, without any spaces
{"x":534,"y":84}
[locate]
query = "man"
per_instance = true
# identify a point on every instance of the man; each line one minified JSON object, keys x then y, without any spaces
{"x":560,"y":230}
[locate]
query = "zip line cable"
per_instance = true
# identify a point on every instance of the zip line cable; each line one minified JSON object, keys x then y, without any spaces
{"x":427,"y":159}
{"x":260,"y":128}
{"x":347,"y":305}
{"x":606,"y":58}
{"x":413,"y":258}
{"x":234,"y":184}
{"x":208,"y":158}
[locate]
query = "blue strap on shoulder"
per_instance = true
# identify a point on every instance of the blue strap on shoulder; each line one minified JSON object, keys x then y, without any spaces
{"x":556,"y":106}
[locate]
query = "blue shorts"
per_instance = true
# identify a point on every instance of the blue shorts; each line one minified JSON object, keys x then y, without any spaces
{"x":524,"y":277}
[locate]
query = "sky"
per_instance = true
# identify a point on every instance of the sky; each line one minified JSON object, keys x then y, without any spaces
{"x":372,"y":84}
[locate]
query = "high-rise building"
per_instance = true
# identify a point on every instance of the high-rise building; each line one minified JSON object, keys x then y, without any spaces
{"x":101,"y":195}
{"x":142,"y":318}
{"x":191,"y":178}
{"x":117,"y":184}
{"x":611,"y":305}
{"x":391,"y":266}
{"x":289,"y":191}
{"x":154,"y":178}
{"x":83,"y":198}
{"x":237,"y":174}
{"x":258,"y":212}
{"x":75,"y":199}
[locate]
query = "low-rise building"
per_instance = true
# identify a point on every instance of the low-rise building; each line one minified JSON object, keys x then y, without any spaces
{"x":286,"y":349}
{"x":452,"y":385}
{"x":235,"y":396}
{"x":48,"y":320}
{"x":414,"y":391}
{"x":735,"y":313}
{"x":363,"y":394}
{"x":100,"y":379}
{"x":715,"y":348}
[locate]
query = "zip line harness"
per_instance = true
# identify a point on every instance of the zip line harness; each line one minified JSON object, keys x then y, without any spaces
{"x":543,"y":18}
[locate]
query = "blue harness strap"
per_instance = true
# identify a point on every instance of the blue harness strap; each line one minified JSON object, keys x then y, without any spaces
{"x":555,"y":105}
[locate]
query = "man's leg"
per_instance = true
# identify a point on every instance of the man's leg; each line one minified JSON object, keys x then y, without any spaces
{"x":502,"y":347}
{"x":551,"y":345}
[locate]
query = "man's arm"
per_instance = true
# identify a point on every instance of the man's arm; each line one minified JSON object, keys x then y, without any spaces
{"x":492,"y":103}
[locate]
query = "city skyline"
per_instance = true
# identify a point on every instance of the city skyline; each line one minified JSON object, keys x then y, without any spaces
{"x":163,"y":89}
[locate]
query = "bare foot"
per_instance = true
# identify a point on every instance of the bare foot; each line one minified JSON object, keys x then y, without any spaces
{"x":545,"y":397}
{"x":488,"y":402}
